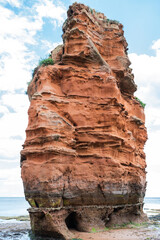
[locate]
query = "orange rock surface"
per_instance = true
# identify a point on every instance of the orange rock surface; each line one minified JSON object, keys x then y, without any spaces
{"x":83,"y":163}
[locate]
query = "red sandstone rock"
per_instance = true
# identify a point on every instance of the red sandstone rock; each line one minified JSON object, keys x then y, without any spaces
{"x":83,"y":155}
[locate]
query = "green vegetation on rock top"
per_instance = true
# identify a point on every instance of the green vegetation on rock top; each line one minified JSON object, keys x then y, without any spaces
{"x":112,"y":21}
{"x":142,"y":104}
{"x":46,"y":61}
{"x":42,"y":62}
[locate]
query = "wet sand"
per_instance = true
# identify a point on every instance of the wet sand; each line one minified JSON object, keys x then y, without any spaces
{"x":121,"y":234}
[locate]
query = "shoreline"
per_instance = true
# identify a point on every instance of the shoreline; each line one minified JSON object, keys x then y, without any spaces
{"x":17,"y":218}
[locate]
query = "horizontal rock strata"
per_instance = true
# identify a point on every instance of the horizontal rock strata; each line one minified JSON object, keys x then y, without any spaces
{"x":83,"y":163}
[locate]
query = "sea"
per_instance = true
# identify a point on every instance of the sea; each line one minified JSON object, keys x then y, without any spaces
{"x":13,"y":206}
{"x":17,"y":206}
{"x":19,"y":230}
{"x":152,"y":202}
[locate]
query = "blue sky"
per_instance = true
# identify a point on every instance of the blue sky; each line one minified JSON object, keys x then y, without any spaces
{"x":29,"y":30}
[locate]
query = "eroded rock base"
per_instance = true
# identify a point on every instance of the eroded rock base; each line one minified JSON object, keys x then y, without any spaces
{"x":58,"y":222}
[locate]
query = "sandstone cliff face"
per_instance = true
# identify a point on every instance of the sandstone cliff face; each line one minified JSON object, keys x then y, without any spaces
{"x":83,"y":164}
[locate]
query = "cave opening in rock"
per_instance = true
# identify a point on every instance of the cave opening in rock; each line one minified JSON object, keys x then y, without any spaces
{"x":71,"y":221}
{"x":23,"y":158}
{"x":36,"y":203}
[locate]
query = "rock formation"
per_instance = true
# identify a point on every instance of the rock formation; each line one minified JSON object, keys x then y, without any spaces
{"x":83,"y":164}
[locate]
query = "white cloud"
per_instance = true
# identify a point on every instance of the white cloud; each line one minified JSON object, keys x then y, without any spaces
{"x":13,"y":124}
{"x":49,"y":46}
{"x":19,"y":26}
{"x":16,"y":59}
{"x":47,"y":9}
{"x":19,"y":34}
{"x":11,"y":183}
{"x":147,"y":66}
{"x":14,"y":3}
{"x":153,"y":149}
{"x":147,"y":76}
{"x":152,"y":117}
{"x":156,"y":45}
{"x":18,"y":102}
{"x":3,"y":110}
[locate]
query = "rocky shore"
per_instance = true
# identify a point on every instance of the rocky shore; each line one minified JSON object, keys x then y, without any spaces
{"x":18,"y":228}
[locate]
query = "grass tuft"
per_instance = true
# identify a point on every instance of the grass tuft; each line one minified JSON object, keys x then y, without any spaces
{"x":46,"y":61}
{"x":142,"y":104}
{"x":112,"y":21}
{"x":42,"y":62}
{"x":93,"y":230}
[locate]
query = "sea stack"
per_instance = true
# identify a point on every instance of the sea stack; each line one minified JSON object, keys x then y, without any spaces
{"x":83,"y":161}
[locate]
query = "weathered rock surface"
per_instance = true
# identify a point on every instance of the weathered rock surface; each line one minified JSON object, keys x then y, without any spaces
{"x":83,"y":164}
